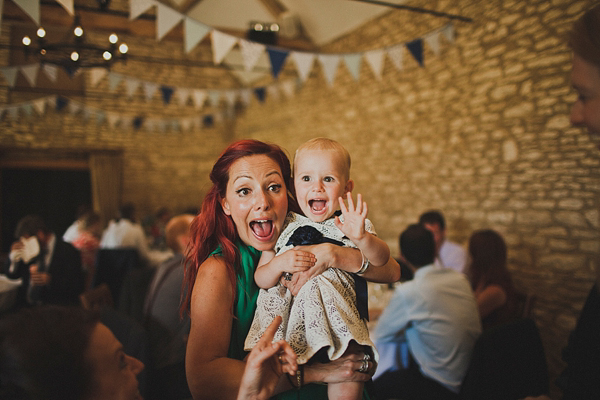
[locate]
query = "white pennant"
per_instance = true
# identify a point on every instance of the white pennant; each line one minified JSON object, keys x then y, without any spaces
{"x":10,"y":74}
{"x":30,"y":72}
{"x":31,"y":8}
{"x":51,"y":101}
{"x":353,"y":62}
{"x":304,"y":63}
{"x":194,"y":32}
{"x":183,"y":95}
{"x":396,"y":56}
{"x":214,"y":97}
{"x":230,"y":97}
{"x":96,"y":74}
{"x":74,"y":107}
{"x":433,"y":40}
{"x":375,"y":60}
{"x":67,"y":5}
{"x":221,"y":45}
{"x":131,"y":85}
{"x":149,"y":89}
{"x":51,"y":72}
{"x":199,"y":97}
{"x":246,"y":96}
{"x":27,"y":109}
{"x":448,"y":32}
{"x":138,"y":7}
{"x":273,"y":92}
{"x":40,"y":106}
{"x":186,"y":124}
{"x":113,"y":119}
{"x":251,"y":52}
{"x":288,"y":88}
{"x":114,"y":80}
{"x":166,"y":19}
{"x":330,"y":63}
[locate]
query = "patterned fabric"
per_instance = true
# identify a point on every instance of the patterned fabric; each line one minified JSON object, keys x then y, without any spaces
{"x":323,"y":314}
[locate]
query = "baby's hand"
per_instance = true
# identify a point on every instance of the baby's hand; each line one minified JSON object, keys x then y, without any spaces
{"x":354,"y":218}
{"x":295,"y":261}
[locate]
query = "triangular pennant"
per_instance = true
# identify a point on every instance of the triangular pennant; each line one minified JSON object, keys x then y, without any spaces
{"x":353,"y":62}
{"x":230,"y":97}
{"x":166,"y":19}
{"x":246,"y":96}
{"x":208,"y":121}
{"x":137,"y":123}
{"x":304,"y":63}
{"x":433,"y":41}
{"x":330,"y":63}
{"x":288,"y":88}
{"x":126,"y":122}
{"x":113,"y":119}
{"x":67,"y":5}
{"x":100,"y":117}
{"x":183,"y":95}
{"x":131,"y":85}
{"x":96,"y":74}
{"x":186,"y":124}
{"x":214,"y":96}
{"x":375,"y":60}
{"x":138,"y":7}
{"x":14,"y":112}
{"x":30,"y":72}
{"x":167,"y":93}
{"x":149,"y":90}
{"x":448,"y":32}
{"x":150,"y":124}
{"x":51,"y":72}
{"x":27,"y":109}
{"x":61,"y":102}
{"x":416,"y":49}
{"x":87,"y":113}
{"x":199,"y":97}
{"x":260,"y":94}
{"x":74,"y":107}
{"x":31,"y":8}
{"x":396,"y":56}
{"x":10,"y":74}
{"x":113,"y":81}
{"x":273,"y":92}
{"x":277,"y":58}
{"x":251,"y":52}
{"x":194,"y":32}
{"x":52,"y":101}
{"x":221,"y":45}
{"x":40,"y":106}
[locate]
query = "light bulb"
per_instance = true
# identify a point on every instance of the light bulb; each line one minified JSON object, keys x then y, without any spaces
{"x":123,"y":48}
{"x":274,"y":28}
{"x":41,"y":32}
{"x":107,"y":55}
{"x":74,"y":56}
{"x":26,"y":40}
{"x":258,"y":27}
{"x":113,"y":38}
{"x":78,"y":31}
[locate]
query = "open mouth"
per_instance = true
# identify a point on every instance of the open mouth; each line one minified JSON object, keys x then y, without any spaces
{"x":317,"y":206}
{"x":262,"y":229}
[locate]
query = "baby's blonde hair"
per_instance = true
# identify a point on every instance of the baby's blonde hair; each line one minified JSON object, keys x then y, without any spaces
{"x":321,"y":143}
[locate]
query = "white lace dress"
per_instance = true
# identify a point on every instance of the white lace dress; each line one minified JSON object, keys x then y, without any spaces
{"x":323,"y":314}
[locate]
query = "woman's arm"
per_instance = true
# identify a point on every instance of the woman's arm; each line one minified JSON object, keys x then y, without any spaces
{"x":490,"y":299}
{"x":270,"y":266}
{"x":210,"y":374}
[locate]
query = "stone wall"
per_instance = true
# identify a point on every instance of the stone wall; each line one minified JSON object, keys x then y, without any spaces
{"x":481,"y":133}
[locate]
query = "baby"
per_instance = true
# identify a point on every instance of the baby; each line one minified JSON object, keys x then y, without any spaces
{"x":323,"y":318}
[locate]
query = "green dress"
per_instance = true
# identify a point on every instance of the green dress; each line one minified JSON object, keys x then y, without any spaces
{"x":244,"y":307}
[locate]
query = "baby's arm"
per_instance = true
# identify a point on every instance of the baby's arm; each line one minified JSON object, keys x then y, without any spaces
{"x":270,"y":267}
{"x":373,"y":248}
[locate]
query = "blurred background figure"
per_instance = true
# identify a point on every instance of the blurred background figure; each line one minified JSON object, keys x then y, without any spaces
{"x":155,"y":228}
{"x":74,"y":229}
{"x":448,"y":254}
{"x":88,"y":243}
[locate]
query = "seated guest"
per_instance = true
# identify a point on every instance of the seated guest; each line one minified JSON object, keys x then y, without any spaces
{"x":490,"y":278}
{"x":49,"y":267}
{"x":448,"y":254}
{"x":166,"y":329}
{"x":64,"y":353}
{"x":436,"y":314}
{"x":88,"y":243}
{"x":126,"y":232}
{"x":75,"y":228}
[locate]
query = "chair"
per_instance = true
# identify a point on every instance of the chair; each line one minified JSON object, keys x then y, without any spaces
{"x":508,"y":362}
{"x":112,"y":265}
{"x":97,"y":298}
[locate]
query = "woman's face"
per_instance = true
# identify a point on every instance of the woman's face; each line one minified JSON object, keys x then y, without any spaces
{"x":585,"y":78}
{"x":256,"y":200}
{"x":114,"y":373}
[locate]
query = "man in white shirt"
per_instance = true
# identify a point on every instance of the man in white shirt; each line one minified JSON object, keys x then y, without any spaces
{"x":449,"y":254}
{"x":436,"y":314}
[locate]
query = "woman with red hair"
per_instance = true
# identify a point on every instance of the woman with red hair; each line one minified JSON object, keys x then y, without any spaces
{"x":242,"y":215}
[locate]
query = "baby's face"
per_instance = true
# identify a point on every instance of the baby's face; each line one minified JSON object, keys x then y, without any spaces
{"x":320,"y":179}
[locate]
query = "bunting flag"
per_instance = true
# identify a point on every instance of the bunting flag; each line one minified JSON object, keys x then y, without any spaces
{"x":251,"y":52}
{"x":67,"y":5}
{"x":230,"y":97}
{"x":138,"y":7}
{"x":30,"y":72}
{"x":149,"y":89}
{"x":448,"y":32}
{"x":199,"y":97}
{"x":416,"y":49}
{"x":27,"y":110}
{"x":51,"y":72}
{"x":330,"y":63}
{"x":433,"y":41}
{"x":273,"y":92}
{"x":214,"y":97}
{"x":96,"y":75}
{"x":353,"y":62}
{"x":40,"y":106}
{"x":183,"y":95}
{"x":375,"y":60}
{"x":246,"y":96}
{"x":137,"y":123}
{"x":14,"y":112}
{"x":396,"y":56}
{"x":10,"y":74}
{"x":304,"y":63}
{"x":277,"y":58}
{"x":131,"y":85}
{"x":75,"y":107}
{"x":260,"y":94}
{"x":221,"y":45}
{"x":113,"y":81}
{"x":31,"y":8}
{"x":166,"y":19}
{"x":288,"y":88}
{"x":167,"y":93}
{"x":194,"y":32}
{"x":61,"y":102}
{"x":208,"y":121}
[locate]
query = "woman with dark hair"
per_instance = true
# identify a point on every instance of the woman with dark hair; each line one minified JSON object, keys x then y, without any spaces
{"x":490,"y":278}
{"x":242,"y":215}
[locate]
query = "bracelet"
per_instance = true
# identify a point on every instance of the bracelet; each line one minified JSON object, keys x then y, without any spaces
{"x":364,"y":266}
{"x":299,"y":378}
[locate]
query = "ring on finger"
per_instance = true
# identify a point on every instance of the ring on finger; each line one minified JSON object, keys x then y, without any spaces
{"x":280,"y":359}
{"x":364,"y":367}
{"x":366,"y":357}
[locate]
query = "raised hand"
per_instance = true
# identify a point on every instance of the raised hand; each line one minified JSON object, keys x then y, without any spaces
{"x":354,"y":218}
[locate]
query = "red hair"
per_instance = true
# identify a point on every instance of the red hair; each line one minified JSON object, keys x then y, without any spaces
{"x":212,"y":228}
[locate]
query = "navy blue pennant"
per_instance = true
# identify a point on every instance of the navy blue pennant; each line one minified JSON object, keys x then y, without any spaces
{"x":416,"y":49}
{"x":137,"y":122}
{"x":208,"y":121}
{"x":61,"y":102}
{"x":260,"y":94}
{"x":167,"y":93}
{"x":277,"y":58}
